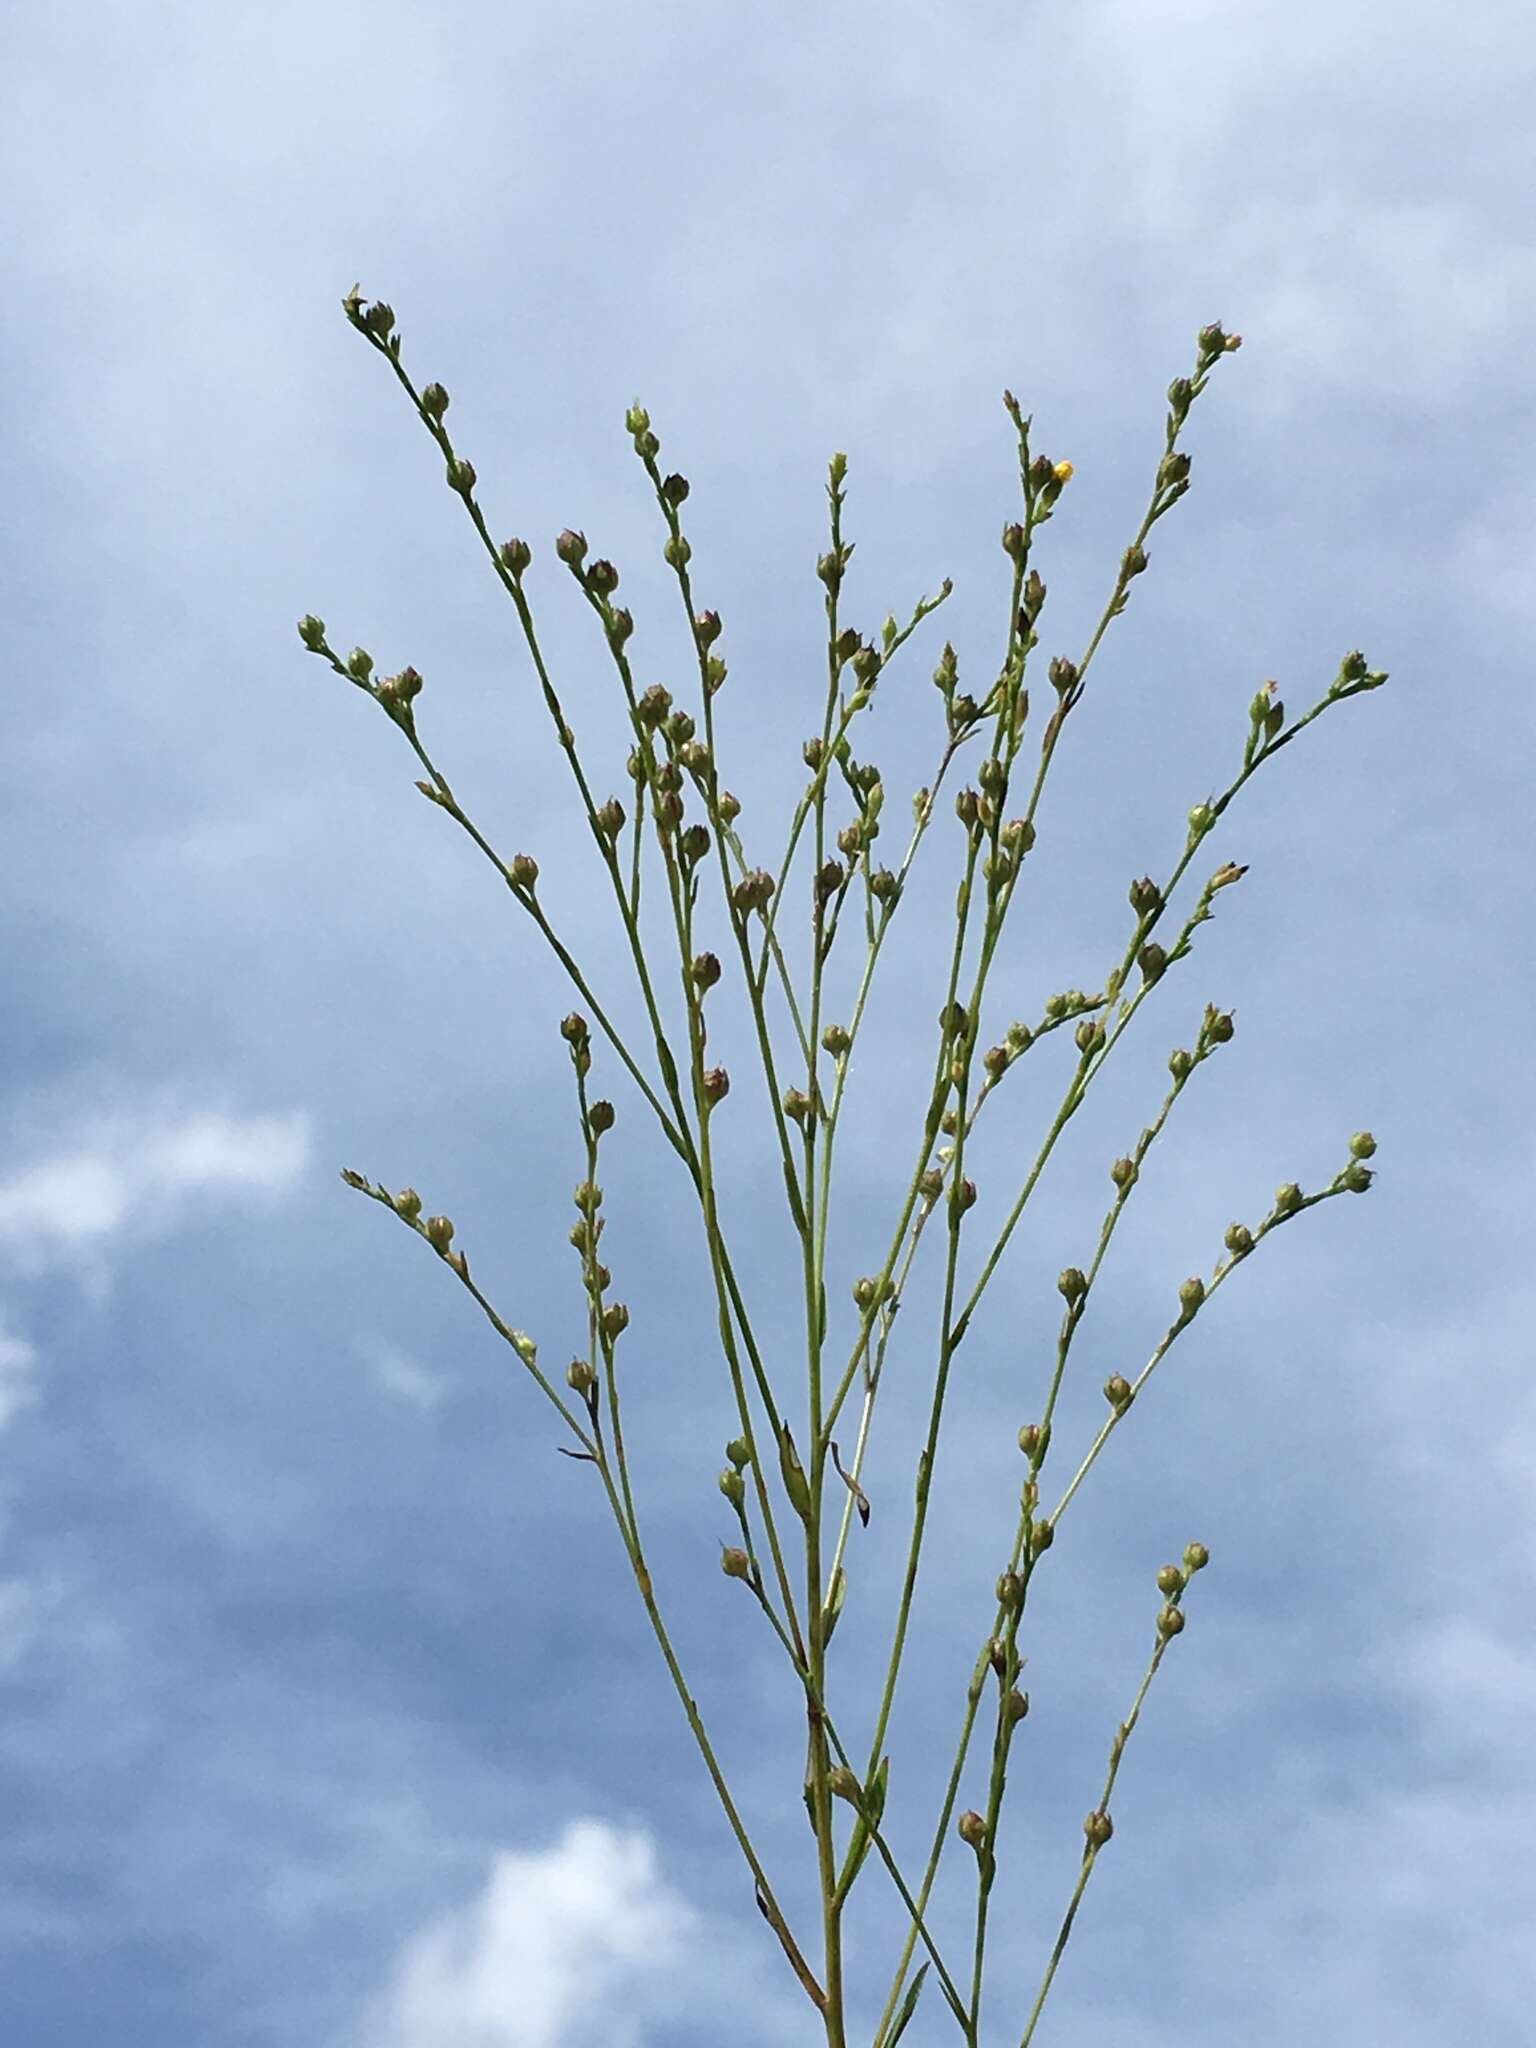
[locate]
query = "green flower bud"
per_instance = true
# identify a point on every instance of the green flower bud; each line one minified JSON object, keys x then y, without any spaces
{"x":739,"y":1451}
{"x":439,"y":1232}
{"x":1089,"y":1036}
{"x":677,"y":553}
{"x":1191,"y":1294}
{"x":1180,"y":1063}
{"x":1035,"y":1441}
{"x":842,"y":1784}
{"x":573,"y":1029}
{"x":1196,"y":1557}
{"x":600,"y":1117}
{"x":637,"y":420}
{"x":1123,"y":1173}
{"x":836,"y":1040}
{"x":1357,"y":1178}
{"x":515,"y":556}
{"x":614,"y":1320}
{"x":434,"y":401}
{"x":408,"y":1204}
{"x":1288,"y":1199}
{"x":1072,"y":1284}
{"x":1238,"y":1240}
{"x":1010,"y":1592}
{"x":1201,"y":819}
{"x":1170,"y":1623}
{"x":571,"y":547}
{"x":312,"y":632}
{"x":523,"y":871}
{"x":1118,"y":1392}
{"x":735,"y":1563}
{"x":1013,"y":542}
{"x":733,"y":1486}
{"x":1151,"y":960}
{"x":1098,"y":1827}
{"x":1171,"y":1580}
{"x":461,"y":476}
{"x":1362,"y":1146}
{"x":1041,"y":1537}
{"x":580,"y":1377}
{"x":1015,"y":1707}
{"x":972,"y":1829}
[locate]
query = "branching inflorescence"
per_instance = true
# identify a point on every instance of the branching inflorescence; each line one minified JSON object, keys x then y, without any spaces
{"x":792,"y":1493}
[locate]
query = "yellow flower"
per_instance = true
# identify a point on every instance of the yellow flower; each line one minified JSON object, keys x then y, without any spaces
{"x":1063,"y":471}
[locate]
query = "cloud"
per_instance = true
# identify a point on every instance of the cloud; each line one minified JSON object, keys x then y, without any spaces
{"x":135,"y":1174}
{"x":17,"y":1358}
{"x":561,"y":1945}
{"x":404,"y":1378}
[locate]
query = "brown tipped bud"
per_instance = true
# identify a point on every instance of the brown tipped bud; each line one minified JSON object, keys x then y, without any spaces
{"x":1063,"y":674}
{"x":735,"y":1563}
{"x":867,"y":664}
{"x":1170,"y":1622}
{"x":1212,"y":340}
{"x":654,"y":705}
{"x":1145,"y":896}
{"x":439,"y":1232}
{"x":571,"y":547}
{"x":580,"y":1377}
{"x":842,"y":1784}
{"x":730,"y":807}
{"x":707,"y":627}
{"x":408,"y":1204}
{"x":967,"y":808}
{"x":972,"y":1829}
{"x":1118,"y":1392}
{"x":705,"y":971}
{"x":830,"y":877}
{"x":964,"y":1196}
{"x":600,"y":1117}
{"x":523,"y":871}
{"x":515,"y":556}
{"x":610,"y":819}
{"x":615,"y":1320}
{"x":1013,"y":542}
{"x":733,"y":1486}
{"x":1171,"y":1580}
{"x":1035,"y":1441}
{"x":1072,"y":1284}
{"x":1173,"y":469}
{"x":1123,"y":1173}
{"x":716,"y":1084}
{"x":1090,"y":1036}
{"x":1015,"y":1707}
{"x":1238,"y":1240}
{"x":931,"y":1186}
{"x":620,"y":626}
{"x":995,"y":1060}
{"x":954,"y":1021}
{"x":797,"y":1105}
{"x":1098,"y":1827}
{"x":1196,"y":1557}
{"x":573,"y":1029}
{"x":836,"y":1040}
{"x":1288,"y":1199}
{"x":694,"y":844}
{"x":1362,"y":1146}
{"x":1191,"y":1294}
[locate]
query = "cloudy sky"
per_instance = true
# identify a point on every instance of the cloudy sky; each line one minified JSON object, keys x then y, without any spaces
{"x":327,"y":1713}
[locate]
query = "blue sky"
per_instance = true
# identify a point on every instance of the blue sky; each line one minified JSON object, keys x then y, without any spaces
{"x":327,"y":1713}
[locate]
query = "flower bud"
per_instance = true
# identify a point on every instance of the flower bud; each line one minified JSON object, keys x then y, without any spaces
{"x":733,"y":1486}
{"x":1072,"y":1284}
{"x":580,"y":1377}
{"x":1013,"y":542}
{"x":1015,"y":1707}
{"x":972,"y":1829}
{"x":1152,"y":960}
{"x":523,"y":871}
{"x":1170,"y":1623}
{"x":1098,"y":1827}
{"x":1133,"y":561}
{"x":1180,"y":1063}
{"x":1010,"y":1592}
{"x":739,"y":1451}
{"x":1089,"y":1035}
{"x":461,"y":476}
{"x":408,"y":1204}
{"x":1238,"y":1240}
{"x":359,"y":664}
{"x":931,"y":1185}
{"x":1041,"y":1537}
{"x":637,"y":420}
{"x":1118,"y":1392}
{"x":836,"y":1040}
{"x":995,"y":1060}
{"x":1196,"y":1557}
{"x":610,"y":819}
{"x":1362,"y":1146}
{"x":675,"y":489}
{"x":707,"y":628}
{"x":439,"y":1232}
{"x":1357,"y":1178}
{"x":515,"y":556}
{"x":705,"y":971}
{"x":677,"y":553}
{"x":866,"y":1292}
{"x":1145,"y":896}
{"x":1288,"y":1199}
{"x":615,"y":1320}
{"x":797,"y":1105}
{"x":1191,"y":1294}
{"x":573,"y":1029}
{"x":379,"y":318}
{"x":571,"y":547}
{"x":312,"y":632}
{"x":735,"y":1563}
{"x":730,"y":807}
{"x":1035,"y":1441}
{"x":434,"y":401}
{"x":588,"y":1197}
{"x":1123,"y":1173}
{"x":1063,"y":674}
{"x":600,"y":1117}
{"x":1201,"y":819}
{"x":842,"y":1784}
{"x":716,"y":1084}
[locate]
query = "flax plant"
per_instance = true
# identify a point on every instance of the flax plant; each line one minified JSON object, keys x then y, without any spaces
{"x":791,"y":1496}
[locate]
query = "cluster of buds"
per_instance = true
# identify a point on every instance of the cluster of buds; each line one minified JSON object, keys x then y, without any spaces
{"x":637,"y":422}
{"x":573,"y":1029}
{"x":1355,"y":675}
{"x":752,"y":892}
{"x":1266,"y":716}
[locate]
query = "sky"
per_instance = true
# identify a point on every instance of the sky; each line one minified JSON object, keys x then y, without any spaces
{"x":327,"y":1711}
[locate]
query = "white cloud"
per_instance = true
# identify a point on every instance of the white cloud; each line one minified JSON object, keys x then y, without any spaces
{"x":136,"y":1173}
{"x":562,"y":1945}
{"x":405,"y":1379}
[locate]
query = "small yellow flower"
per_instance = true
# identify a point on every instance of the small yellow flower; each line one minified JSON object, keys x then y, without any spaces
{"x":1063,"y":471}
